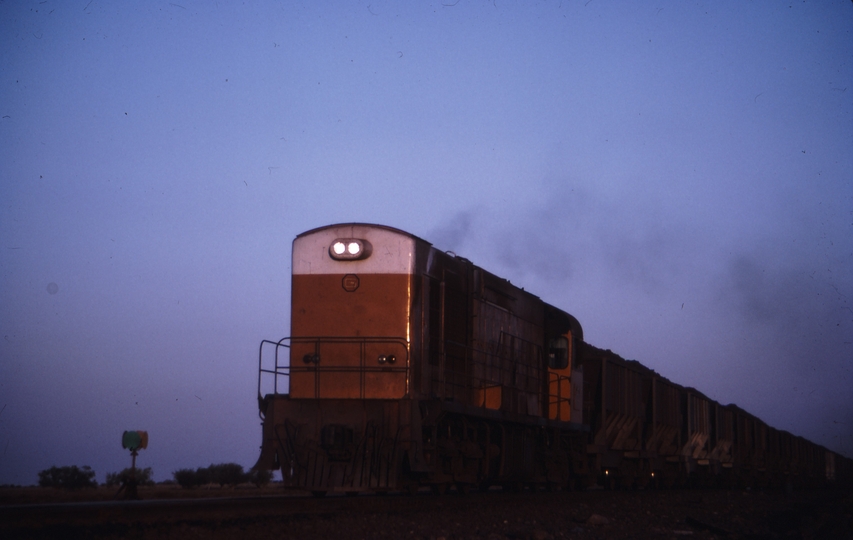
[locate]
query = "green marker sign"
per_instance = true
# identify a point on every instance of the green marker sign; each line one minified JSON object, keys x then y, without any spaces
{"x":134,"y":440}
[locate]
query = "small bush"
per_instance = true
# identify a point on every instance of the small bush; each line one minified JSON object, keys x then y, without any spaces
{"x":227,"y":473}
{"x":259,"y":477}
{"x":71,"y":477}
{"x":186,"y":478}
{"x":144,"y":477}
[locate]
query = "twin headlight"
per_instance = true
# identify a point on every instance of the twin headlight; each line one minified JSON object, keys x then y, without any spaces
{"x":350,"y":249}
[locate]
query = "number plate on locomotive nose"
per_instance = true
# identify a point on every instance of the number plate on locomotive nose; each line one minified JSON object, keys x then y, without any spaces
{"x":350,"y":282}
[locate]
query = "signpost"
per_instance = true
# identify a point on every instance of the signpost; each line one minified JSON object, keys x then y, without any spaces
{"x":133,"y":441}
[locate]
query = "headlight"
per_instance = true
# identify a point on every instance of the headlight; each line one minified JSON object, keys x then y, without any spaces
{"x":350,"y":249}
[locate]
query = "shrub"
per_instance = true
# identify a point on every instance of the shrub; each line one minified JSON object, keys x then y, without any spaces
{"x":144,"y":477}
{"x":202,"y":476}
{"x":259,"y":477}
{"x":68,"y":477}
{"x":223,"y":474}
{"x":227,"y":473}
{"x":186,"y":478}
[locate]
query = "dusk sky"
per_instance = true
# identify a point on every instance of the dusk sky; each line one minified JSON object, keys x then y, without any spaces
{"x":678,"y":175}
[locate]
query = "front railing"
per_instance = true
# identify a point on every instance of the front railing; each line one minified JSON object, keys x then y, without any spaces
{"x":321,"y":360}
{"x":348,"y":367}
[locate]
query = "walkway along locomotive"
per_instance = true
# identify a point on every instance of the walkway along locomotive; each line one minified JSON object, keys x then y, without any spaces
{"x":409,"y":367}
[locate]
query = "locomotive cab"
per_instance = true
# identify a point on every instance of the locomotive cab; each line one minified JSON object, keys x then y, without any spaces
{"x":564,"y":381}
{"x":565,"y":376}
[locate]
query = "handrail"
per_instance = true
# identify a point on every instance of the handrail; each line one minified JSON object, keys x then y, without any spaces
{"x":557,"y":399}
{"x":470,"y":370}
{"x":283,"y":368}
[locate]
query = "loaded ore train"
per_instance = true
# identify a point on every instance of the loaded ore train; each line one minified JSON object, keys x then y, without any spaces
{"x":410,"y":367}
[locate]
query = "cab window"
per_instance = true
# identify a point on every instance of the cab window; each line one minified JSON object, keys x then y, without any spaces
{"x":558,"y":353}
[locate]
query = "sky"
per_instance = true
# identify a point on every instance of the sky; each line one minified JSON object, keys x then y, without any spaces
{"x":678,"y":175}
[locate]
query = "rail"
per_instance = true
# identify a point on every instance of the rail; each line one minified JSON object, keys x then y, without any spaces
{"x":275,"y":365}
{"x":557,"y":402}
{"x":497,"y":377}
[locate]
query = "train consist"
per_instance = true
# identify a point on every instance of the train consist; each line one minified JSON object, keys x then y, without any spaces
{"x":411,"y":367}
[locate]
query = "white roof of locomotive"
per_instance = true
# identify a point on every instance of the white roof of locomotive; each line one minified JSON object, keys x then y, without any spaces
{"x":393,"y":250}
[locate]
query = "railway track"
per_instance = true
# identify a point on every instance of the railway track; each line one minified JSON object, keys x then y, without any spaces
{"x":224,"y":507}
{"x":496,"y":515}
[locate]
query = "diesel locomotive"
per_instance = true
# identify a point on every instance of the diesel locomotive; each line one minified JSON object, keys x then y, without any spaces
{"x":408,"y":367}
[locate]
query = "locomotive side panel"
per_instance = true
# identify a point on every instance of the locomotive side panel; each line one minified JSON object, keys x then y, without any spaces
{"x":508,"y":364}
{"x":485,"y":339}
{"x":447,"y":328}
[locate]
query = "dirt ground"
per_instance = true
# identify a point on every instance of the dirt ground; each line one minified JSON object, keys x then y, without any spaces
{"x":246,"y":512}
{"x":39,"y":495}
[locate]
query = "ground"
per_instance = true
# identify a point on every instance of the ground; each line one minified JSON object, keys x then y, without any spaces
{"x":248,"y":512}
